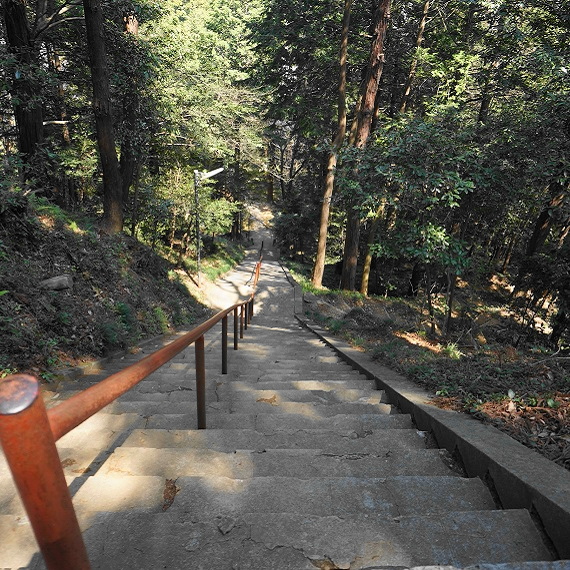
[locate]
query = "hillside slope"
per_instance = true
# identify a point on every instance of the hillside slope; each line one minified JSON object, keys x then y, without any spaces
{"x":107,"y":293}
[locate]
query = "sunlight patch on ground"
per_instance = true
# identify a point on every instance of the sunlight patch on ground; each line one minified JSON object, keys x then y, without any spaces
{"x":417,"y":340}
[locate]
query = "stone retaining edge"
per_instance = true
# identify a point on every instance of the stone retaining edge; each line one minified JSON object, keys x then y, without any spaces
{"x":521,"y":477}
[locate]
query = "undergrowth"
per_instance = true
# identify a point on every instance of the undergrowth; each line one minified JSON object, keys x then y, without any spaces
{"x":122,"y":291}
{"x":484,"y":370}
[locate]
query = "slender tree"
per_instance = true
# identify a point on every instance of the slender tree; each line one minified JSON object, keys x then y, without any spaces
{"x":364,"y":116}
{"x":26,"y":97}
{"x":319,"y":266}
{"x":128,"y":163}
{"x":112,"y":221}
{"x":414,"y":65}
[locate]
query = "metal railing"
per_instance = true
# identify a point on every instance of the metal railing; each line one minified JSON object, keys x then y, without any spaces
{"x":28,"y":432}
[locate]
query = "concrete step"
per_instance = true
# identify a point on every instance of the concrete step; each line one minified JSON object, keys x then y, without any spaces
{"x":242,"y":391}
{"x":162,"y":406}
{"x":151,"y":392}
{"x":233,"y":439}
{"x":249,"y":393}
{"x":275,"y":541}
{"x":189,"y":421}
{"x":299,"y":463}
{"x":271,"y":405}
{"x":210,"y":497}
{"x":300,"y":375}
{"x":541,"y":565}
{"x":249,"y":374}
{"x":269,"y":423}
{"x":325,"y":385}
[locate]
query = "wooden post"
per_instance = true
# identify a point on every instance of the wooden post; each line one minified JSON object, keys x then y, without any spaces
{"x":200,"y":382}
{"x":225,"y":345}
{"x":29,"y":447}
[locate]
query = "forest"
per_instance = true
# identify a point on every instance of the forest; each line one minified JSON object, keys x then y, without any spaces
{"x":405,"y":145}
{"x":414,"y":152}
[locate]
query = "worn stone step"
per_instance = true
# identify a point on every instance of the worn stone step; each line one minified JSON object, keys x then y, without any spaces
{"x":10,"y":503}
{"x":162,"y":406}
{"x":152,"y":392}
{"x":233,"y":439}
{"x":263,"y":406}
{"x":300,"y":463}
{"x":300,"y":375}
{"x":75,"y":461}
{"x":244,"y":393}
{"x":95,"y":437}
{"x":325,"y":385}
{"x":271,"y":405}
{"x":19,"y":548}
{"x":237,"y":391}
{"x":209,"y":497}
{"x":247,"y":374}
{"x":189,"y":420}
{"x":540,"y":565}
{"x":269,"y":423}
{"x":274,"y":541}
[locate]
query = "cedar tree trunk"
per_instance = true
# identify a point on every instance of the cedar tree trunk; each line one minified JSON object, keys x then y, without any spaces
{"x":25,"y":90}
{"x":112,"y":221}
{"x":365,"y":114}
{"x":319,"y":267}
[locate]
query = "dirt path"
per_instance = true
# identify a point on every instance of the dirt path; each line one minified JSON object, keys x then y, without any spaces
{"x":236,"y":284}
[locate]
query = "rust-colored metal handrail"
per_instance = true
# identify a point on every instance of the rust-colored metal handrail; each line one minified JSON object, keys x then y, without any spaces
{"x":28,"y":433}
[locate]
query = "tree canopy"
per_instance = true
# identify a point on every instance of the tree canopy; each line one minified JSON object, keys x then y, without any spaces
{"x":464,"y":167}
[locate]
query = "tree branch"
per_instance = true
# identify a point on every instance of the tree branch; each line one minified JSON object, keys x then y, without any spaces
{"x":45,"y":23}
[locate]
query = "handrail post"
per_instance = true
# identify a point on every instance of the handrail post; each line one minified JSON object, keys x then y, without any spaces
{"x":250,"y":312}
{"x":241,"y":322}
{"x":236,"y":326}
{"x":225,"y":345}
{"x":246,"y":315}
{"x":31,"y":453}
{"x":200,"y":382}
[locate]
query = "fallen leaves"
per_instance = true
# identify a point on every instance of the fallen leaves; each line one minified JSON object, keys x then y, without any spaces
{"x":170,"y":491}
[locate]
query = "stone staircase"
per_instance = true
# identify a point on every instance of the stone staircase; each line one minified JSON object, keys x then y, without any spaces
{"x":304,"y":465}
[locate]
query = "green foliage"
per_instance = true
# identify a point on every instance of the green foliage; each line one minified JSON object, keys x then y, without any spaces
{"x":225,"y":257}
{"x":451,"y":350}
{"x":161,"y":320}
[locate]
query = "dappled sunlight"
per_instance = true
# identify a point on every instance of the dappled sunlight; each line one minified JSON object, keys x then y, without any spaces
{"x":417,"y":340}
{"x":100,"y":430}
{"x":307,"y":410}
{"x":222,"y":484}
{"x":21,"y":548}
{"x":120,"y":493}
{"x":170,"y":463}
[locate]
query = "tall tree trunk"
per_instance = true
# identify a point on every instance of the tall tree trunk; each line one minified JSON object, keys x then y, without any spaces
{"x":238,"y":220}
{"x":55,"y":64}
{"x":269,"y":180}
{"x":25,"y":90}
{"x":545,"y":219}
{"x":414,"y":64}
{"x":380,"y":18}
{"x":431,"y":312}
{"x":112,"y":221}
{"x":451,"y":287}
{"x":370,"y":242}
{"x":350,"y":254}
{"x":129,"y":161}
{"x":319,"y":267}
